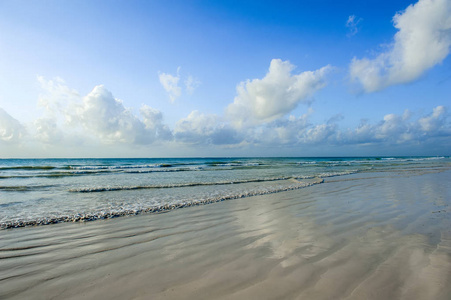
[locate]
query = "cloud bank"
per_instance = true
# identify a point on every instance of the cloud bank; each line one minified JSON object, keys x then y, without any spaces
{"x":391,"y":130}
{"x":299,"y":132}
{"x":423,"y":40}
{"x":257,"y":118}
{"x":401,"y":129}
{"x":101,"y":118}
{"x":264,"y":100}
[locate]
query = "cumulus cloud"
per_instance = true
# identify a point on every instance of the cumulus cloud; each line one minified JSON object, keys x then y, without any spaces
{"x":153,"y":120}
{"x":11,"y":131}
{"x":400,"y":129}
{"x":297,"y":132}
{"x":320,"y":134}
{"x":391,"y":130}
{"x":435,"y":122}
{"x":199,"y":128}
{"x":56,"y":100}
{"x":47,"y":130}
{"x":97,"y":115}
{"x":106,"y":117}
{"x":171,"y":84}
{"x":423,"y":40}
{"x":352,"y":24}
{"x":264,"y":100}
{"x":285,"y":131}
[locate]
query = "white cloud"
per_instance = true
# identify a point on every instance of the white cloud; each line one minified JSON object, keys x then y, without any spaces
{"x":11,"y":131}
{"x":199,"y":128}
{"x":56,"y":100}
{"x":47,"y":130}
{"x":106,"y":117}
{"x":58,"y":95}
{"x":279,"y":92}
{"x":391,"y":130}
{"x":399,"y":129}
{"x":191,"y":83}
{"x":298,"y":132}
{"x":392,"y":125}
{"x":320,"y":134}
{"x":153,"y":120}
{"x":171,"y":84}
{"x":352,"y":23}
{"x":280,"y":132}
{"x":435,"y":121}
{"x":97,"y":116}
{"x":78,"y":122}
{"x":102,"y":115}
{"x":423,"y":40}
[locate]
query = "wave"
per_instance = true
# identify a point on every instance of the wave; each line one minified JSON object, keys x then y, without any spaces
{"x":160,"y":167}
{"x":114,"y":213}
{"x":199,"y":168}
{"x":27,"y":168}
{"x":120,"y":167}
{"x":53,"y":175}
{"x":233,"y":164}
{"x":363,"y":160}
{"x":424,"y":158}
{"x":333,"y":174}
{"x":178,"y":185}
{"x":10,"y":204}
{"x":24,"y":188}
{"x":103,"y":170}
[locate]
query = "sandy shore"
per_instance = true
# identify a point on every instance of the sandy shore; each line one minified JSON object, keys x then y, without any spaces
{"x":362,"y":236}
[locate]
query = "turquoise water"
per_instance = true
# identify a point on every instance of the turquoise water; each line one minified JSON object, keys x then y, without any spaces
{"x":44,"y":191}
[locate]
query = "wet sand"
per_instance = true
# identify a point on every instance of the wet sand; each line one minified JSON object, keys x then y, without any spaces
{"x":363,"y":236}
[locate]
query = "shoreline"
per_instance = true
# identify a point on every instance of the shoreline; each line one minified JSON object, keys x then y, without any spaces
{"x":356,"y":236}
{"x":87,"y":217}
{"x":296,"y":183}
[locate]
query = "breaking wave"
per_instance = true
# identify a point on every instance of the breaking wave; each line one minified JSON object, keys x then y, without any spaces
{"x":125,"y":211}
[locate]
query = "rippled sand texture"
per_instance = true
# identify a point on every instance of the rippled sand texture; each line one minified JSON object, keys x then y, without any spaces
{"x":363,"y":236}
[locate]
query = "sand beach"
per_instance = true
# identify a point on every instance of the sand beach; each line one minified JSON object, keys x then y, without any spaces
{"x":381,"y":235}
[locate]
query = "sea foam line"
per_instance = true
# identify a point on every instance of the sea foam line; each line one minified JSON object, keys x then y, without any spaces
{"x":83,"y":217}
{"x":166,"y":186}
{"x":181,"y":185}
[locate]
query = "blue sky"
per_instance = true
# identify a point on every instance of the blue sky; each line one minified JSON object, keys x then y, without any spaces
{"x":224,"y":78}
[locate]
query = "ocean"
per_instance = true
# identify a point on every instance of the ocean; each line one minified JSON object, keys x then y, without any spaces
{"x":47,"y":191}
{"x":277,"y":228}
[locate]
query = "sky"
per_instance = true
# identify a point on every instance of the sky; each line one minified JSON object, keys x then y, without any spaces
{"x":84,"y":78}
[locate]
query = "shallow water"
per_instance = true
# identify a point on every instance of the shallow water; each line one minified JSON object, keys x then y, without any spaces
{"x":378,"y":235}
{"x":44,"y":191}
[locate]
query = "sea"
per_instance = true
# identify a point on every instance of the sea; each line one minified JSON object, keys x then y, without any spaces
{"x":47,"y":191}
